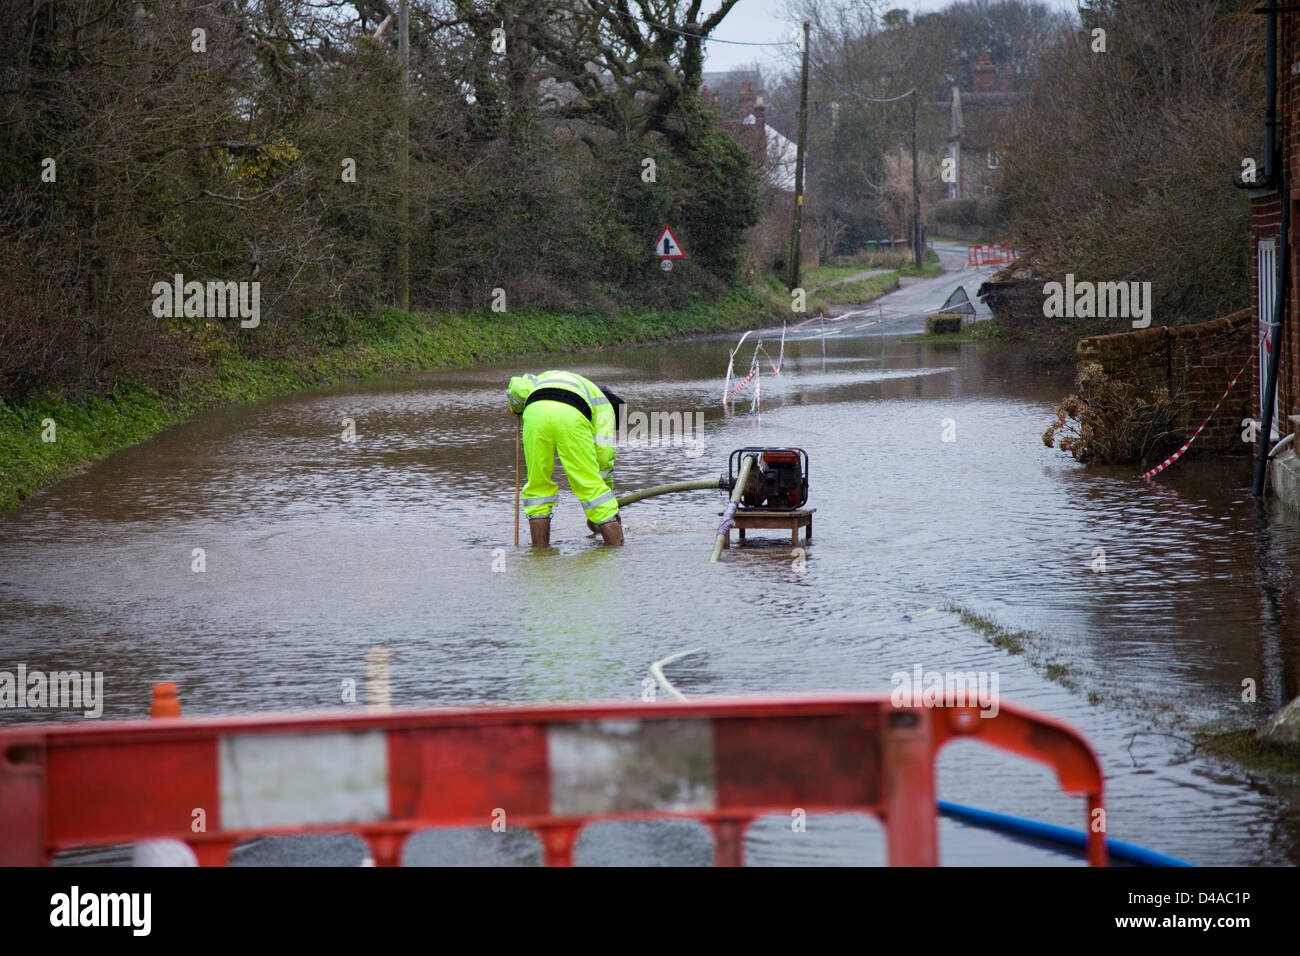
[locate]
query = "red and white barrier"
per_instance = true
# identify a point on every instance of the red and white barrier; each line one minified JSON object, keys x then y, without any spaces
{"x":991,"y":254}
{"x":213,"y":782}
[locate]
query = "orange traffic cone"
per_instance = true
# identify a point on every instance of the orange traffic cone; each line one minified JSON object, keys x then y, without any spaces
{"x":165,"y":701}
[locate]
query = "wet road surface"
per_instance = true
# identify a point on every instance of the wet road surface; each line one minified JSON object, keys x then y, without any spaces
{"x":316,"y":549}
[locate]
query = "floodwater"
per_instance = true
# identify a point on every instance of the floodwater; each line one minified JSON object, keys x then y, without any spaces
{"x":316,"y":549}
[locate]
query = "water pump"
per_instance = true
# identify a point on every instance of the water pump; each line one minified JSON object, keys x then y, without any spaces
{"x":778,"y":482}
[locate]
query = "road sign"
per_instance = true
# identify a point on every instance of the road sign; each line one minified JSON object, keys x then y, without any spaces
{"x":667,"y":246}
{"x":666,"y":265}
{"x":959,"y":302}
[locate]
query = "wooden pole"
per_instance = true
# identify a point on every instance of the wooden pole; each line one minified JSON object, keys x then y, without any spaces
{"x":797,"y":228}
{"x":404,"y":163}
{"x":518,"y":427}
{"x":916,"y":194}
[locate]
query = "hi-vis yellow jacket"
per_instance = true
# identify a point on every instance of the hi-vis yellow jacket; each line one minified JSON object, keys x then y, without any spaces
{"x":586,"y":448}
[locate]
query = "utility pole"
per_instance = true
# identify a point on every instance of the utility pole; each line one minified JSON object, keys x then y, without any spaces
{"x":404,"y":163}
{"x":798,"y":166}
{"x":916,"y":193}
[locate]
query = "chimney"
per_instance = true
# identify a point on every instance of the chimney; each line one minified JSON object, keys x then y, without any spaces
{"x":985,"y":73}
{"x":760,"y":111}
{"x":747,"y":99}
{"x":1005,"y":79}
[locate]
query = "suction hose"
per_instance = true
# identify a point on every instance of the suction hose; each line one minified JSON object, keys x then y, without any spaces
{"x":701,"y":484}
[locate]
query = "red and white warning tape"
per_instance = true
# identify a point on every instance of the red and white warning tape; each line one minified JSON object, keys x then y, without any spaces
{"x":728,"y":393}
{"x":752,"y":372}
{"x":1179,"y":454}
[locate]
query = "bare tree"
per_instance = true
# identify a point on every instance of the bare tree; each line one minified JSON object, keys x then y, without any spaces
{"x":1121,"y":167}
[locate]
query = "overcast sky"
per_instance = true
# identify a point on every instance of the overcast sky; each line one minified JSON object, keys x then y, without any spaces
{"x":765,"y":21}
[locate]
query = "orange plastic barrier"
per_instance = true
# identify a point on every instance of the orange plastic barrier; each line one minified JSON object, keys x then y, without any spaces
{"x":993,"y":254}
{"x":553,"y":769}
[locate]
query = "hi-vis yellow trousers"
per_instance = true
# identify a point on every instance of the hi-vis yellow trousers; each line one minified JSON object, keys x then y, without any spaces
{"x":551,"y":427}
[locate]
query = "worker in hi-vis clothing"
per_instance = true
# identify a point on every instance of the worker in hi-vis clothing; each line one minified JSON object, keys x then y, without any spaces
{"x":566,"y":413}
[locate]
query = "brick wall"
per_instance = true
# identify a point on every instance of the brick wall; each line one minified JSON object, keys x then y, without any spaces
{"x":1196,"y":362}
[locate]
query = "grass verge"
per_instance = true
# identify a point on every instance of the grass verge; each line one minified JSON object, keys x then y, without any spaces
{"x":778,"y":299}
{"x":1024,"y":643}
{"x":1246,"y":748}
{"x":934,"y":237}
{"x":859,"y":292}
{"x":981,"y":331}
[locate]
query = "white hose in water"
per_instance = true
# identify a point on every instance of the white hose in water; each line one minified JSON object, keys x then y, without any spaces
{"x":657,"y":668}
{"x":657,"y":671}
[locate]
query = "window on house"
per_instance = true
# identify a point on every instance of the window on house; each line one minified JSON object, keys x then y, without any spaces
{"x":994,"y":162}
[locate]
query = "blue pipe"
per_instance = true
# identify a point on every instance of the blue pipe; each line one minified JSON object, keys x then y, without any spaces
{"x":1050,"y":833}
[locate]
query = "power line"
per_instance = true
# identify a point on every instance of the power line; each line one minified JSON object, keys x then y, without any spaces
{"x":683,"y":33}
{"x":858,"y":96}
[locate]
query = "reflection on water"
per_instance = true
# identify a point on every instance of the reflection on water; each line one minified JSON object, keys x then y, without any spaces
{"x":316,"y":549}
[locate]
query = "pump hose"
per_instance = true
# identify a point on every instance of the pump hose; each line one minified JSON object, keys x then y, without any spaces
{"x":700,"y":484}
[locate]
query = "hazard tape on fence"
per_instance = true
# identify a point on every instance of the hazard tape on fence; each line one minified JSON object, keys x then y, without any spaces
{"x":1188,"y":444}
{"x":743,"y":383}
{"x":731,"y":362}
{"x":755,"y":371}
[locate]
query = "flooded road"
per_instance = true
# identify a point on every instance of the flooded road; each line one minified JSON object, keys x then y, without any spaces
{"x":315,"y":549}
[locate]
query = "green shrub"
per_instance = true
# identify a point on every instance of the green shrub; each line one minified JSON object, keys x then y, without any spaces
{"x":1108,"y":421}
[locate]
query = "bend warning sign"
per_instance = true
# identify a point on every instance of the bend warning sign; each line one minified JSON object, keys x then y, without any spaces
{"x":667,"y":246}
